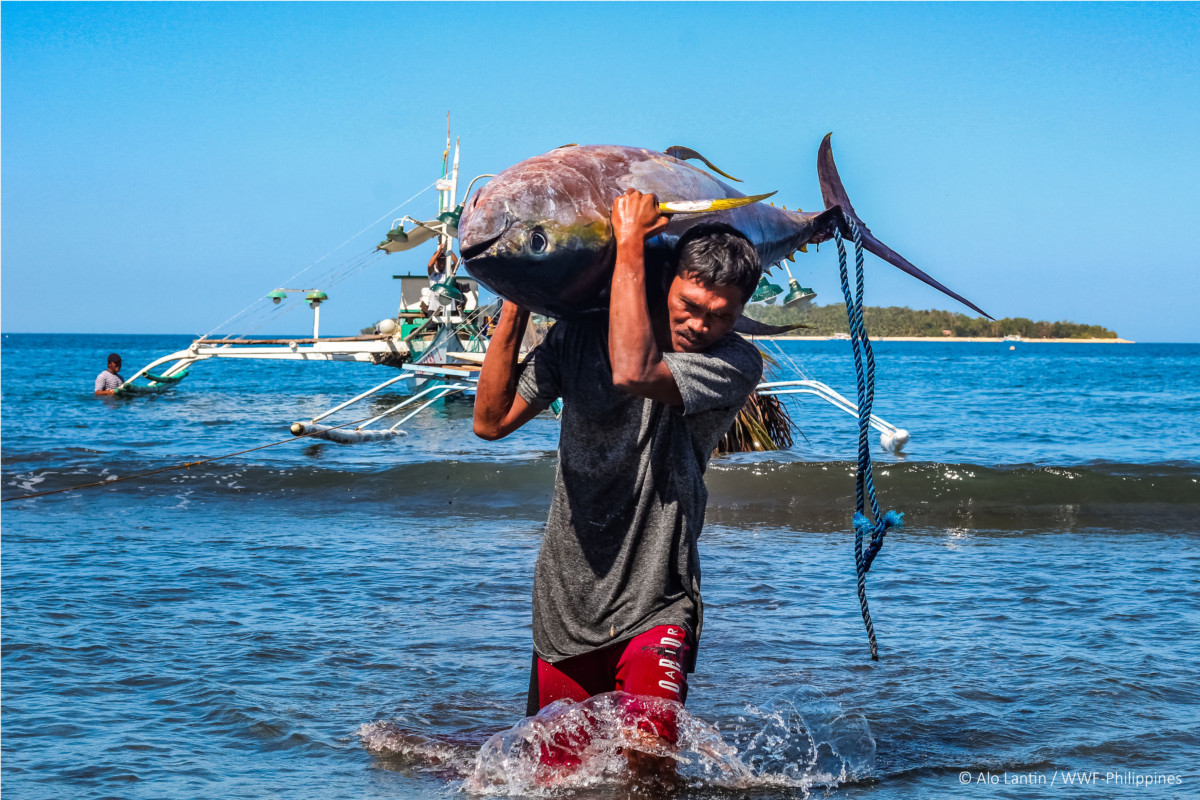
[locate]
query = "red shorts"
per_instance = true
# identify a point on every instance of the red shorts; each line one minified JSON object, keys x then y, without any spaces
{"x":650,"y":664}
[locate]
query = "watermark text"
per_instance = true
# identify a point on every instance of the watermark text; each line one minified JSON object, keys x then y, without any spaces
{"x":1060,"y":777}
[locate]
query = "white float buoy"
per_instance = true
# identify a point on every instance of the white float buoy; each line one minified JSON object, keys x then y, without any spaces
{"x":894,"y":441}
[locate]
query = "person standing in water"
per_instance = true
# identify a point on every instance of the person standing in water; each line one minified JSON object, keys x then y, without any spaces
{"x":647,"y":393}
{"x":110,"y":380}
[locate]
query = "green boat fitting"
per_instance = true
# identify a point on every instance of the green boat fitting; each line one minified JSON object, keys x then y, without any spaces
{"x":170,"y":380}
{"x":765,"y":291}
{"x":797,"y":293}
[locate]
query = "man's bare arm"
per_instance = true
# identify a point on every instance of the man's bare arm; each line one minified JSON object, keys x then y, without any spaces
{"x":499,"y":410}
{"x":637,"y":363}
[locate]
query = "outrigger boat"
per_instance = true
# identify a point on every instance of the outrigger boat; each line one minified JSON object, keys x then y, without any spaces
{"x":436,"y":340}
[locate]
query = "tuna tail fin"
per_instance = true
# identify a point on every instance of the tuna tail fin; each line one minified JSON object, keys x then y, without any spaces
{"x":834,"y":194}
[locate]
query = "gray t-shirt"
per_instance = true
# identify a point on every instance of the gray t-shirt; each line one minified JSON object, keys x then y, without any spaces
{"x":619,"y":553}
{"x":108,"y":382}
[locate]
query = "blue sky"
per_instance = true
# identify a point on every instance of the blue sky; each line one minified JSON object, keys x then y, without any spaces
{"x":164,"y":165}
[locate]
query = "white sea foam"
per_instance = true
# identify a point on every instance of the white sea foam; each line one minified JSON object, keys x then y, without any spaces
{"x":30,"y":481}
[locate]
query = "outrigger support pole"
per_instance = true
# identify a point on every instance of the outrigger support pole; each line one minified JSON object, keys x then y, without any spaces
{"x":402,"y":376}
{"x":891,"y":437}
{"x":361,"y":433}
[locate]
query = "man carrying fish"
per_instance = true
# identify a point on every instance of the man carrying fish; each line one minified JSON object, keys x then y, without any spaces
{"x":648,"y":389}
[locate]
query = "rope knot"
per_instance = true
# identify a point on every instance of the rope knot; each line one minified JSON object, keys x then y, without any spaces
{"x":874,"y":533}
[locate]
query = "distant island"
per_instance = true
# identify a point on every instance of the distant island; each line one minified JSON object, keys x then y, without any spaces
{"x":903,"y":322}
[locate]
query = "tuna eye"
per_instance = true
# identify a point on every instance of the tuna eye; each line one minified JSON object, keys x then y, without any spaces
{"x":538,"y":241}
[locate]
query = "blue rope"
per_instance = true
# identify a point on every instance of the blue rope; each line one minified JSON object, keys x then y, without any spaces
{"x":864,"y":489}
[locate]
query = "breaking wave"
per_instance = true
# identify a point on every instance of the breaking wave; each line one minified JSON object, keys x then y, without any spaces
{"x":814,"y":496}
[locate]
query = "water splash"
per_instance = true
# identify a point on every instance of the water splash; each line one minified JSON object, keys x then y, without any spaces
{"x":805,"y":737}
{"x":794,"y":743}
{"x":402,"y":748}
{"x":570,"y":746}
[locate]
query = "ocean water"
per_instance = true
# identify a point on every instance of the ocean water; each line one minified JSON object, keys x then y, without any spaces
{"x":316,"y":620}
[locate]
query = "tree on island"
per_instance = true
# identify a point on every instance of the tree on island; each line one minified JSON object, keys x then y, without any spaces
{"x":902,"y":321}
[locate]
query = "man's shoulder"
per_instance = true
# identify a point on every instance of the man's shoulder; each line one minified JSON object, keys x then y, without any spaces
{"x":719,"y":377}
{"x":735,"y":349}
{"x":738,"y":342}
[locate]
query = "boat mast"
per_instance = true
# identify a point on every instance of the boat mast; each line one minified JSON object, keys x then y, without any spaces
{"x":454,"y":176}
{"x":444,"y":187}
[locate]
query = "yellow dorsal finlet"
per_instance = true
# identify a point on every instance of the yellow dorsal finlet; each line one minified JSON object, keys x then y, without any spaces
{"x":687,"y":153}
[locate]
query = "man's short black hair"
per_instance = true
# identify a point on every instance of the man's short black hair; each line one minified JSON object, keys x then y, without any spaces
{"x":720,"y":255}
{"x":113,"y":358}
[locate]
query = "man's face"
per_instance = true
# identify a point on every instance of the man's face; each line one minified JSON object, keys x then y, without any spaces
{"x":114,"y":367}
{"x":700,"y":313}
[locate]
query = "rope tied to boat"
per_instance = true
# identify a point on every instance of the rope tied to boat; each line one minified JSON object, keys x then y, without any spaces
{"x":874,"y":527}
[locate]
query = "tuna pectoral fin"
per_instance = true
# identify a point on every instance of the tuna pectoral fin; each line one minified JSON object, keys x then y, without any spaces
{"x":834,"y":194}
{"x":752,"y":327}
{"x":707,"y":206}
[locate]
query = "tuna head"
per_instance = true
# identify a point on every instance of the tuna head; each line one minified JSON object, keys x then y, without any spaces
{"x":539,"y":233}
